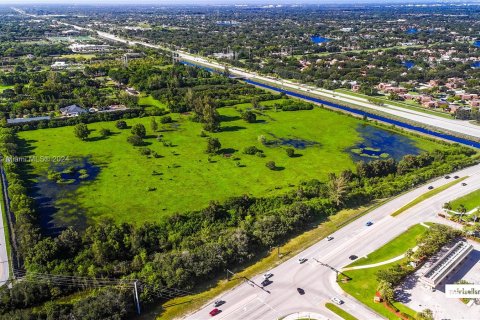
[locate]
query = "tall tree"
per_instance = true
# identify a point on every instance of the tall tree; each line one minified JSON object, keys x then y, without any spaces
{"x":337,"y":187}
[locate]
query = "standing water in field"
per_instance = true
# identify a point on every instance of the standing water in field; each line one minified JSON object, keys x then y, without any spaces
{"x":381,"y":144}
{"x":54,"y":193}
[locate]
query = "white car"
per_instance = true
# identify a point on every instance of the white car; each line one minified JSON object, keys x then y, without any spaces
{"x":302,"y":260}
{"x":267,"y":275}
{"x":329,"y":238}
{"x":337,"y":301}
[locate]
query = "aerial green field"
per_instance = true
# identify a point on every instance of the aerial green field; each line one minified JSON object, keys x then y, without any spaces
{"x":470,"y":201}
{"x":184,"y":178}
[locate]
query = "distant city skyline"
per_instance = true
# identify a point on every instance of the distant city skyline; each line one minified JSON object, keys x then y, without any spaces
{"x":222,"y":2}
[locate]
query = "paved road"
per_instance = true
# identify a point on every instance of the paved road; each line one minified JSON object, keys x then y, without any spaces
{"x":4,"y":267}
{"x":442,"y":124}
{"x":318,"y":281}
{"x":453,"y":125}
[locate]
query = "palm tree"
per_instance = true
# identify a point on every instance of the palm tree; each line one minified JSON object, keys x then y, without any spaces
{"x":425,"y":314}
{"x":462,"y":211}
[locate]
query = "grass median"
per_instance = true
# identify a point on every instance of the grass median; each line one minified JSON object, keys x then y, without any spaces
{"x":470,"y":201}
{"x":394,"y":248}
{"x":340,"y":312}
{"x":427,"y":195}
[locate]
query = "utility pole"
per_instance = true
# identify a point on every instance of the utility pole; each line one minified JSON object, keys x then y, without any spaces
{"x":228,"y":274}
{"x":137,"y":300}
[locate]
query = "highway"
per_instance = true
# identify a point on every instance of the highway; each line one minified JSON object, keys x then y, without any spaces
{"x":441,"y":124}
{"x":318,"y":281}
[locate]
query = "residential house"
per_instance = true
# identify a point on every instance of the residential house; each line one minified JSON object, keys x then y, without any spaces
{"x":72,"y":111}
{"x":474,"y":103}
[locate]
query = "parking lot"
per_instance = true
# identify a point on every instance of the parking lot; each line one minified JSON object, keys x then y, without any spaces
{"x":419,"y":297}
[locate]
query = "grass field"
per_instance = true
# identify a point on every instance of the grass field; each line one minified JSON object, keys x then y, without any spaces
{"x":149,"y":101}
{"x":394,"y":248}
{"x":183,"y":177}
{"x":364,"y":284}
{"x":339,"y":311}
{"x":427,"y":195}
{"x":470,"y":201}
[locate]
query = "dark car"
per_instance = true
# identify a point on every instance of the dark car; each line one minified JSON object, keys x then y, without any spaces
{"x":456,"y":177}
{"x":301,"y":291}
{"x":369,"y":223}
{"x":266,"y":282}
{"x":214,"y":312}
{"x":430,"y":187}
{"x":352,"y":257}
{"x":464,"y":184}
{"x":447,"y":177}
{"x":218,"y":303}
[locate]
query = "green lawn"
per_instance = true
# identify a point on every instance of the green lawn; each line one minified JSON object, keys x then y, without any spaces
{"x":470,"y":201}
{"x":183,"y":177}
{"x":150,"y":101}
{"x":394,"y":248}
{"x":363,"y":287}
{"x":427,"y":195}
{"x":339,"y":311}
{"x":364,"y":284}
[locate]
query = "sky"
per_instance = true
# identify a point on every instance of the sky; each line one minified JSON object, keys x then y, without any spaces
{"x":217,"y":2}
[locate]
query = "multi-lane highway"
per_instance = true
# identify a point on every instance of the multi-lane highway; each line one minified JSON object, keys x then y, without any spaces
{"x":440,"y":123}
{"x":318,"y":280}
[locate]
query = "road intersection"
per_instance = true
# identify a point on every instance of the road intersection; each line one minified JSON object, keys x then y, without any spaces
{"x":316,"y":277}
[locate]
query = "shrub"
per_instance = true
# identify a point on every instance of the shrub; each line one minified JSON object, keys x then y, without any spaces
{"x":213,"y":145}
{"x":271,"y":165}
{"x":166,"y":119}
{"x":249,"y":116}
{"x":252,"y":150}
{"x":135,"y":140}
{"x":121,"y":124}
{"x":139,"y":130}
{"x":290,"y":152}
{"x":105,"y":132}
{"x":262,"y":139}
{"x":145,"y":151}
{"x":81,"y":131}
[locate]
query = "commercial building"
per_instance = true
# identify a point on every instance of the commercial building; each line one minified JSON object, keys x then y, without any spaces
{"x":444,"y":266}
